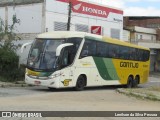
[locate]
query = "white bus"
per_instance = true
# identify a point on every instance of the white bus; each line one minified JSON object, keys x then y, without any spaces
{"x":76,"y":59}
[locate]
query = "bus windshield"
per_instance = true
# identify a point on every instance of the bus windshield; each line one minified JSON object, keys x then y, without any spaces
{"x":43,"y":54}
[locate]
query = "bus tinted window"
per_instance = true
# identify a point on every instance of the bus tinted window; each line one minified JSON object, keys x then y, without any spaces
{"x":108,"y":50}
{"x":89,"y":49}
{"x":69,"y":53}
{"x":113,"y":51}
{"x":131,"y":53}
{"x":102,"y":49}
{"x":76,"y":43}
{"x":123,"y":52}
{"x":145,"y":55}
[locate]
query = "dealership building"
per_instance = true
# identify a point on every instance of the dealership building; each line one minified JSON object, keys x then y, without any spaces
{"x":37,"y":16}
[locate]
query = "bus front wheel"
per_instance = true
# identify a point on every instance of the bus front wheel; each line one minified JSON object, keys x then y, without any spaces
{"x":81,"y":82}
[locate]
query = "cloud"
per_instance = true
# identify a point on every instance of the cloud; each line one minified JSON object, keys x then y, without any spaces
{"x":137,"y":11}
{"x":133,"y":10}
{"x":153,"y":0}
{"x":114,"y":3}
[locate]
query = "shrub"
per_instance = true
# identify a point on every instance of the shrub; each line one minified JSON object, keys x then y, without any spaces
{"x":9,"y":60}
{"x":9,"y":65}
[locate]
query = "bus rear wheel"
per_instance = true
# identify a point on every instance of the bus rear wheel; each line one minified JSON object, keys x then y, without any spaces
{"x":81,"y":82}
{"x":130,"y":82}
{"x":136,"y":81}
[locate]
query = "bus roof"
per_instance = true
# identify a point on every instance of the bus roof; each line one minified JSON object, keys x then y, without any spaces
{"x":69,"y":34}
{"x":66,"y":34}
{"x":123,"y":43}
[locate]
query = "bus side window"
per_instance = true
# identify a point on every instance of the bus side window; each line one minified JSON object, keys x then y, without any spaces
{"x":68,"y":55}
{"x":136,"y":55}
{"x":89,"y":49}
{"x":131,"y":53}
{"x":101,"y":49}
{"x":140,"y":55}
{"x":84,"y":51}
{"x":65,"y":58}
{"x":110,"y":51}
{"x":146,"y":55}
{"x":113,"y":51}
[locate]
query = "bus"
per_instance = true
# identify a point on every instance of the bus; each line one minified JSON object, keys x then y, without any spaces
{"x":62,"y":59}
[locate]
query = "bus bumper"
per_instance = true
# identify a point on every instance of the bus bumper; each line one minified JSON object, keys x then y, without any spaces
{"x":53,"y":83}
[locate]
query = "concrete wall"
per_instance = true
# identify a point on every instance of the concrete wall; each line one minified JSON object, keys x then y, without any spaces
{"x":30,"y":17}
{"x":126,"y":35}
{"x":145,"y":37}
{"x":145,"y":30}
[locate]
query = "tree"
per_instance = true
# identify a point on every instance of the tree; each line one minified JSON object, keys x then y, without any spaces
{"x":7,"y":35}
{"x":9,"y":60}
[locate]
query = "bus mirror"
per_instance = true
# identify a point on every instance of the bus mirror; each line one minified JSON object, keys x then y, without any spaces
{"x":24,"y":45}
{"x":60,"y":47}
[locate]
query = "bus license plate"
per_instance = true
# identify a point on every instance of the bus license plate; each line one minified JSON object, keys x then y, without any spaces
{"x":37,"y":82}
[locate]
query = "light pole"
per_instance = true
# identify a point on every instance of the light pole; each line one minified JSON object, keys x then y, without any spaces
{"x":69,"y":16}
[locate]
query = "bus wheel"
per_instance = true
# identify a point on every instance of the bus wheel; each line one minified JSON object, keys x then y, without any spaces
{"x":136,"y":82}
{"x":80,"y":83}
{"x":130,"y":82}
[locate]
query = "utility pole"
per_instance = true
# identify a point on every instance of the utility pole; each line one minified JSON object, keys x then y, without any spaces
{"x":69,"y":16}
{"x":6,"y":16}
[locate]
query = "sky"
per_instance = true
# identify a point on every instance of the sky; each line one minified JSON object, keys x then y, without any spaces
{"x":134,"y":7}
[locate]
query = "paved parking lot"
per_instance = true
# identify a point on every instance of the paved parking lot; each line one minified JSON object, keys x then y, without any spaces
{"x":91,"y":99}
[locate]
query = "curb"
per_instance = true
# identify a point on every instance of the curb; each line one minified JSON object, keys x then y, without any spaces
{"x":139,"y":95}
{"x":7,"y":84}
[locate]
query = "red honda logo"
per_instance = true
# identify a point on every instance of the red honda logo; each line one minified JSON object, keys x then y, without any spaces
{"x":96,"y":30}
{"x":77,"y":7}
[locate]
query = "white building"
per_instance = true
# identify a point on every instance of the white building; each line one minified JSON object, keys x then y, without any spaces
{"x":39,"y":16}
{"x":146,"y":37}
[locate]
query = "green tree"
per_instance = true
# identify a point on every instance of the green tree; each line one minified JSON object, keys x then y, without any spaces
{"x":9,"y":60}
{"x":7,"y":35}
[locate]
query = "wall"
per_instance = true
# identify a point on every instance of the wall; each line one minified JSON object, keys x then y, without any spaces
{"x":145,"y":37}
{"x":30,"y":16}
{"x":58,"y":11}
{"x":148,"y":22}
{"x":126,"y":35}
{"x":2,"y":13}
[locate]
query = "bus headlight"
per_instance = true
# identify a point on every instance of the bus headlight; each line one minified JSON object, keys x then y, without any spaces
{"x":55,"y":75}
